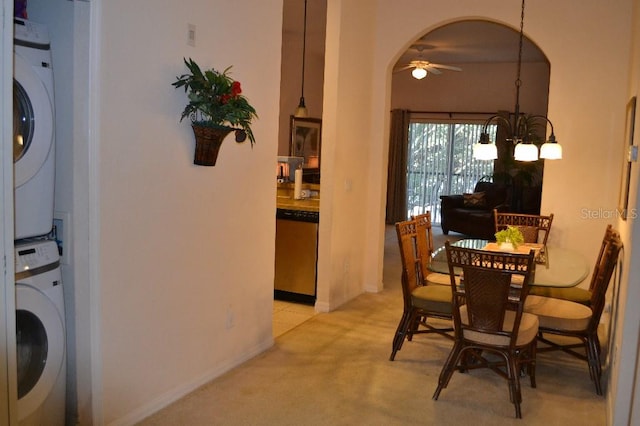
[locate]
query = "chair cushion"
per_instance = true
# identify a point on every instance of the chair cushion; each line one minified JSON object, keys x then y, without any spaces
{"x":432,"y":298}
{"x":558,"y":314}
{"x":527,"y":332}
{"x":440,"y":279}
{"x":574,"y":294}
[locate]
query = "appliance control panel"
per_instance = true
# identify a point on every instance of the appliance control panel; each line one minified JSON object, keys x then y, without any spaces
{"x":36,"y":254}
{"x":298,"y":215}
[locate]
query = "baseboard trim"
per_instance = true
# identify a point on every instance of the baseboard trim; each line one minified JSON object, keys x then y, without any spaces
{"x":175,"y":394}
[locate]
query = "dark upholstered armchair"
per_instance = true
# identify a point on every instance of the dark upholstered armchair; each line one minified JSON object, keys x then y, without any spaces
{"x":472,"y":214}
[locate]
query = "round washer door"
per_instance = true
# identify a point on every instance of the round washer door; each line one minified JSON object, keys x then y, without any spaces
{"x":40,"y":348}
{"x":33,"y":121}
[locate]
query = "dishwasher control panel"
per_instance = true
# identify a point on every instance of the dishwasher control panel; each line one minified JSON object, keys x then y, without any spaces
{"x":298,"y":215}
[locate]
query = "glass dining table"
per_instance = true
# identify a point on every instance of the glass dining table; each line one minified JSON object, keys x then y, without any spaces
{"x":557,"y":267}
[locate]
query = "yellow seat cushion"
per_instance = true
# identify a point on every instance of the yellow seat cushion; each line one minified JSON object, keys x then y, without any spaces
{"x":527,"y":332}
{"x":558,"y":314}
{"x":440,"y":279}
{"x":574,"y":294}
{"x":433,"y":298}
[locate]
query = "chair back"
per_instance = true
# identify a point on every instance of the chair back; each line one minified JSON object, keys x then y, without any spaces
{"x":602,"y":273}
{"x":412,"y":273}
{"x":424,"y":238}
{"x":492,"y":284}
{"x":529,"y":224}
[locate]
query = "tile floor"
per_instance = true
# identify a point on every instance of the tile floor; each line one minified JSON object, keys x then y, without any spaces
{"x":288,"y":315}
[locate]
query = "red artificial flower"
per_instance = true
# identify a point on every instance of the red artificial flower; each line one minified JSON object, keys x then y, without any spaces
{"x":235,"y":88}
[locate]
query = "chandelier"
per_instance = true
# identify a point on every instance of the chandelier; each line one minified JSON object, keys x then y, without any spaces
{"x":520,"y":128}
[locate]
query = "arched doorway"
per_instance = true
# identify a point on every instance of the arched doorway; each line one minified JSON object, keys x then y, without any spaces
{"x":486,"y":53}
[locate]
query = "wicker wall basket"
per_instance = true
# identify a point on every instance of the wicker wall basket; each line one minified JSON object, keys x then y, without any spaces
{"x":208,"y":142}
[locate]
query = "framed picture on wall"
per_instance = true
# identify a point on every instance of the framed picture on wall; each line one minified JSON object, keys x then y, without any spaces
{"x":626,"y":169}
{"x":305,"y":137}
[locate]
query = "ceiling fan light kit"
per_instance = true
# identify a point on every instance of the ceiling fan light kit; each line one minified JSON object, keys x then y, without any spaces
{"x":419,"y":73}
{"x":520,"y":129}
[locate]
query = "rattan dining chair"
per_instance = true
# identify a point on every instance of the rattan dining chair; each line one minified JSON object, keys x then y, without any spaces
{"x":530,"y":225}
{"x":424,"y":244}
{"x":421,"y":302}
{"x":570,"y":319}
{"x":488,"y":317}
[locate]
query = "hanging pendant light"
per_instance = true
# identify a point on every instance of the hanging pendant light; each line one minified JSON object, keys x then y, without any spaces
{"x":301,"y":110}
{"x":520,"y":129}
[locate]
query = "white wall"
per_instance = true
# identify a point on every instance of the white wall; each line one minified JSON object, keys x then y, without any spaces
{"x":624,"y":384}
{"x":185,"y":256}
{"x":8,"y":380}
{"x":345,"y":146}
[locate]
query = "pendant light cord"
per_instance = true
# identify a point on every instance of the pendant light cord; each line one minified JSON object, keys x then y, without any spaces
{"x":518,"y":81}
{"x":304,"y":46}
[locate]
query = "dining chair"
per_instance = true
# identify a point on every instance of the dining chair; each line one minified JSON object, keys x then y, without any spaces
{"x":488,"y":317}
{"x":574,"y":320}
{"x":421,"y":301}
{"x":424,"y":244}
{"x":529,"y":224}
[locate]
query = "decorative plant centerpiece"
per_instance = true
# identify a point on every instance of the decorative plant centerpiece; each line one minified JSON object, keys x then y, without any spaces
{"x":509,"y":238}
{"x":216,"y":108}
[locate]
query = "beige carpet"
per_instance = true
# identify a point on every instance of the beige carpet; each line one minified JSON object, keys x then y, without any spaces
{"x":334,"y":370}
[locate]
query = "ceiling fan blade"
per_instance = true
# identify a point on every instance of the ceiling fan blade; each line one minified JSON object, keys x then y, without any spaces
{"x":445,"y":67}
{"x":432,"y":69}
{"x":404,"y":67}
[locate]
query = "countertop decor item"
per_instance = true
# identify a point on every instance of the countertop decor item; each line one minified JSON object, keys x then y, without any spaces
{"x":215,"y":108}
{"x":509,"y":238}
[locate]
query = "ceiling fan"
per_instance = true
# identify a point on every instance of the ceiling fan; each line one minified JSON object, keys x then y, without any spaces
{"x":422,"y":67}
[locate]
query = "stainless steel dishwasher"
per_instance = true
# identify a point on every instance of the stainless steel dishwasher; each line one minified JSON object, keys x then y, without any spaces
{"x":296,"y":255}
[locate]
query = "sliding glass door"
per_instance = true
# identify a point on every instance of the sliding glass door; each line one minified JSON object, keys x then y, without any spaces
{"x":440,"y":162}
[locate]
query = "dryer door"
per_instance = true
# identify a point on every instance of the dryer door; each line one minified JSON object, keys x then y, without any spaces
{"x":40,"y":348}
{"x":32,"y":122}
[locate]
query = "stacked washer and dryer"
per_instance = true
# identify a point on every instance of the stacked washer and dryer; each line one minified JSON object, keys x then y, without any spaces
{"x":40,"y":315}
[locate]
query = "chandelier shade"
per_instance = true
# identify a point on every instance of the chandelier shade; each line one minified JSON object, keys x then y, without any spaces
{"x":485,"y":151}
{"x":551,"y":151}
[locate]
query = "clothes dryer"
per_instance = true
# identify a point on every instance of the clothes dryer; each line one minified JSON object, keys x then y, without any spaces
{"x":40,"y":333}
{"x":33,"y":134}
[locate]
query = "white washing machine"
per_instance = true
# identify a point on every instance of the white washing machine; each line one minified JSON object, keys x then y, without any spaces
{"x":33,"y":134}
{"x":40,"y":332}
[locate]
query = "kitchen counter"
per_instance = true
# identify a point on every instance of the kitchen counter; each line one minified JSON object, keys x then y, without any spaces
{"x":291,"y":204}
{"x":285,"y":200}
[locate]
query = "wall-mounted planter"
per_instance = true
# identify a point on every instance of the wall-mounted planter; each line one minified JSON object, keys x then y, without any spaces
{"x":208,"y":142}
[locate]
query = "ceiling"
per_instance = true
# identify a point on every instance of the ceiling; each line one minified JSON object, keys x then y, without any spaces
{"x":472,"y":41}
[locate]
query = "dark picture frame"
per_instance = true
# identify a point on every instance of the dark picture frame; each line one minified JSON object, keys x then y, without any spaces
{"x":305,"y":140}
{"x":629,"y":125}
